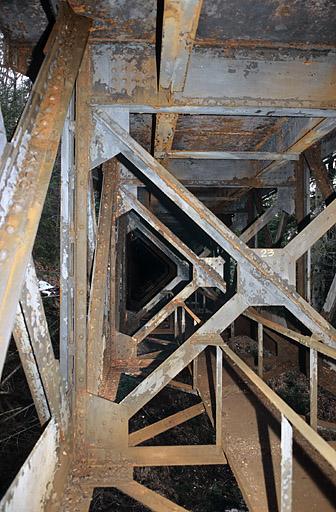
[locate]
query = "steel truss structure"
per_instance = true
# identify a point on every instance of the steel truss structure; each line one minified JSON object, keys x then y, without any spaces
{"x":77,"y":99}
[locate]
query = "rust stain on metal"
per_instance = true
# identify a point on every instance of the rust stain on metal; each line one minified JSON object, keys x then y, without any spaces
{"x":206,"y":60}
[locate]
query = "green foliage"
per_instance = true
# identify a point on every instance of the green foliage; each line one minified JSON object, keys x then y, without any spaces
{"x":47,"y":245}
{"x":14,"y":91}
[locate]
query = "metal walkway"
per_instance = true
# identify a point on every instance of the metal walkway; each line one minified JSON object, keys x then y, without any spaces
{"x":251,"y":430}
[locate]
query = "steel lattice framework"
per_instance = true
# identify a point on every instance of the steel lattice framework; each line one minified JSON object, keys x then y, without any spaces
{"x":87,"y":90}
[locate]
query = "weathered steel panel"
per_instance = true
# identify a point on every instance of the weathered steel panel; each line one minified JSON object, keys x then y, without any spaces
{"x":218,"y":133}
{"x":102,"y":146}
{"x":32,"y":486}
{"x":124,"y":71}
{"x":262,"y":22}
{"x":119,"y":19}
{"x":276,"y":77}
{"x":229,"y":172}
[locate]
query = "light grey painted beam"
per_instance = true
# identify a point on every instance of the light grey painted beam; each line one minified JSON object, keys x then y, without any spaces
{"x":232,"y":155}
{"x":230,"y":172}
{"x":312,"y":136}
{"x":328,"y":309}
{"x":202,"y":109}
{"x":29,"y":365}
{"x":259,"y":223}
{"x":66,"y":238}
{"x":312,"y":232}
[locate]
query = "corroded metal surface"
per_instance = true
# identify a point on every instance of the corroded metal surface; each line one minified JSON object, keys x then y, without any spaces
{"x":120,"y":19}
{"x":211,"y":133}
{"x":261,"y":23}
{"x":23,"y":27}
{"x":256,"y":79}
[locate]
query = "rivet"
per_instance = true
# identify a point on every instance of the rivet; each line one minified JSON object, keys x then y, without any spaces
{"x":3,"y":255}
{"x":10,"y":229}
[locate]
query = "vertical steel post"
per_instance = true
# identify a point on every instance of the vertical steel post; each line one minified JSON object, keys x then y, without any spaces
{"x":194,"y":373}
{"x":82,"y":144}
{"x":3,"y":136}
{"x":176,"y":326}
{"x":286,"y":464}
{"x":260,"y":350}
{"x":219,"y":395}
{"x":66,"y":244}
{"x":313,"y":360}
{"x":302,"y":209}
{"x":183,"y":324}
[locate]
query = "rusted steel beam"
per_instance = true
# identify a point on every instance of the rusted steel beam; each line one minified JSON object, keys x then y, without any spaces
{"x":202,"y":108}
{"x":307,"y":341}
{"x":302,"y":211}
{"x":32,"y":487}
{"x":160,"y":377}
{"x":166,"y":291}
{"x":81,"y":187}
{"x":76,"y":497}
{"x":281,"y":228}
{"x":28,"y":361}
{"x":66,"y":241}
{"x":259,"y":223}
{"x":313,"y":386}
{"x":312,"y":232}
{"x":26,"y":171}
{"x":180,"y":22}
{"x":96,"y":345}
{"x":229,"y":173}
{"x":193,"y":315}
{"x":92,"y":225}
{"x":328,"y":310}
{"x":175,"y":363}
{"x":214,"y":71}
{"x":176,"y":384}
{"x":219,"y":396}
{"x":158,"y":427}
{"x":260,"y":274}
{"x":149,"y":498}
{"x":165,"y":125}
{"x":164,"y":312}
{"x":319,"y":170}
{"x":260,"y":350}
{"x":48,"y":366}
{"x":176,"y":455}
{"x":322,"y":128}
{"x":231,"y":155}
{"x":119,"y":347}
